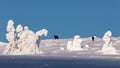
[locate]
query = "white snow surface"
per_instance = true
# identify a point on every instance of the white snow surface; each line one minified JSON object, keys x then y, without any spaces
{"x":59,"y":47}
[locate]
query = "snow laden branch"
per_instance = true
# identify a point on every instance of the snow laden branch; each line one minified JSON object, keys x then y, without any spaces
{"x":22,"y":40}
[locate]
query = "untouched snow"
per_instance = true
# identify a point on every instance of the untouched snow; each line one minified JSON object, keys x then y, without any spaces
{"x":58,"y":48}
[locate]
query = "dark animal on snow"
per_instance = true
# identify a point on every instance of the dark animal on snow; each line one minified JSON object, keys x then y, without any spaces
{"x":93,"y":38}
{"x":56,"y":37}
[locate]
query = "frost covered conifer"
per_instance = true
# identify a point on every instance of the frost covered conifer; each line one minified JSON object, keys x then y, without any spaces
{"x":107,"y":47}
{"x":11,"y":37}
{"x":38,"y":35}
{"x":75,"y":44}
{"x":69,"y":45}
{"x":26,"y":42}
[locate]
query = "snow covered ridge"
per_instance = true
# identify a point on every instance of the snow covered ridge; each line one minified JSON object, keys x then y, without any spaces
{"x":23,"y":41}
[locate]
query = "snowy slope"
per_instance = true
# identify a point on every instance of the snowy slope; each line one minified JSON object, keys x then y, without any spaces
{"x":51,"y":47}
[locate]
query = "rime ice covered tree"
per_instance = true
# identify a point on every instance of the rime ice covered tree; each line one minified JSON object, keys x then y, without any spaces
{"x":69,"y":45}
{"x":38,"y":35}
{"x":28,"y":39}
{"x":23,"y":41}
{"x":75,"y":44}
{"x":11,"y":37}
{"x":107,"y":47}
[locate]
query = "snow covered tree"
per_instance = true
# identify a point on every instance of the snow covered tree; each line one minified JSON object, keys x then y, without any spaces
{"x":69,"y":45}
{"x":25,"y":43}
{"x":107,"y":47}
{"x":19,"y":31}
{"x":38,"y":35}
{"x":11,"y":37}
{"x":28,"y":39}
{"x":75,"y":44}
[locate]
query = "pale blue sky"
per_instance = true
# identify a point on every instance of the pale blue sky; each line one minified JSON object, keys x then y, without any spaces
{"x":65,"y":18}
